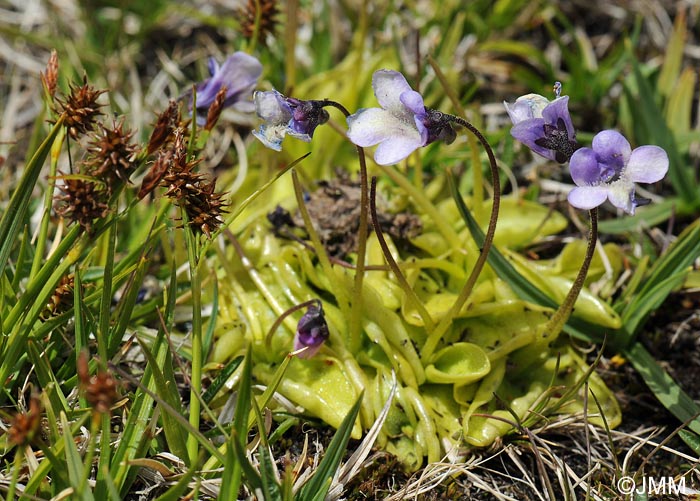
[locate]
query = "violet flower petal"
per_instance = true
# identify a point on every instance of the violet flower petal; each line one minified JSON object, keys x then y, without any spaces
{"x":559,"y":109}
{"x":388,"y":87}
{"x":647,"y":164}
{"x":587,"y":197}
{"x":372,"y":126}
{"x":530,"y":130}
{"x":526,"y":107}
{"x":584,"y":167}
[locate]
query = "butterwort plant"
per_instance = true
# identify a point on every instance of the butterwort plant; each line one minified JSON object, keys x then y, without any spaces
{"x":402,"y":125}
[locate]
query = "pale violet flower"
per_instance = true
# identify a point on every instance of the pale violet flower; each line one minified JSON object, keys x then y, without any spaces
{"x":286,"y":115}
{"x":239,"y":74}
{"x":544,"y":126}
{"x":402,"y":124}
{"x":609,"y":169}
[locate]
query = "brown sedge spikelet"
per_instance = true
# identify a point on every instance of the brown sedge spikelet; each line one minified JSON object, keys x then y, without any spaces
{"x":189,"y":190}
{"x":216,"y":108}
{"x":155,"y":175}
{"x":25,"y":424}
{"x":80,"y":108}
{"x":111,"y":156}
{"x":49,"y":79}
{"x":100,"y":390}
{"x":62,"y":298}
{"x":83,"y":201}
{"x":164,"y":127}
{"x":248,"y":15}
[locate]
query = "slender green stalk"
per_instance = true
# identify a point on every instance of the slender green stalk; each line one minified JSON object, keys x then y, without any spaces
{"x":106,"y":301}
{"x":435,"y":336}
{"x":19,"y":459}
{"x":90,"y":454}
{"x":197,"y":357}
{"x":48,"y":202}
{"x":290,"y":38}
{"x":555,"y":324}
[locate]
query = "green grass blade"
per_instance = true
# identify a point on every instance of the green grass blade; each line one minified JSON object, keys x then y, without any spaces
{"x":166,"y":388}
{"x":666,"y":390}
{"x":221,"y":378}
{"x":645,"y":217}
{"x":131,"y":444}
{"x":231,"y":477}
{"x":316,"y":488}
{"x":268,"y":476}
{"x":14,"y":217}
{"x":74,"y":463}
{"x":647,"y":113}
{"x":666,"y":274}
{"x":692,"y":439}
{"x":642,"y":306}
{"x":209,"y":334}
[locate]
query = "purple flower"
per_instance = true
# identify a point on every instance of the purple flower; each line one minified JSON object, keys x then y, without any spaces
{"x":544,"y":126}
{"x":286,"y":115}
{"x":239,"y":74}
{"x":609,"y":170}
{"x":401,"y":125}
{"x":312,"y":331}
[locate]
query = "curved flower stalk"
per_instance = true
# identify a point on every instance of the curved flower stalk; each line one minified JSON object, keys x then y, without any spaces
{"x":544,"y":126}
{"x":402,"y":124}
{"x":239,"y":74}
{"x":609,"y":169}
{"x":606,"y":171}
{"x":284,"y":116}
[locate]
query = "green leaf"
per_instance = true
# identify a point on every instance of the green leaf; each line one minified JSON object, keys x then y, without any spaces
{"x":679,"y":107}
{"x":316,"y":488}
{"x":14,"y":217}
{"x":231,"y":476}
{"x":645,"y":217}
{"x":673,"y":59}
{"x":271,"y":487}
{"x":666,"y":390}
{"x":166,"y":388}
{"x":692,"y":439}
